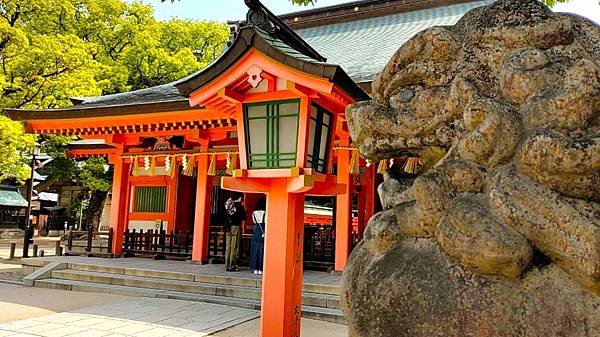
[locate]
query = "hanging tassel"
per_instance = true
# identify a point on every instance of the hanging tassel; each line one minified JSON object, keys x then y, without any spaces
{"x":189,"y":169}
{"x":353,"y":168}
{"x":173,"y":168}
{"x":152,"y":166}
{"x":212,"y":167}
{"x":410,"y":166}
{"x":136,"y":167}
{"x":383,"y":166}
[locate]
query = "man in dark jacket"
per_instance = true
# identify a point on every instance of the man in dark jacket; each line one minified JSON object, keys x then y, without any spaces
{"x":234,"y":215}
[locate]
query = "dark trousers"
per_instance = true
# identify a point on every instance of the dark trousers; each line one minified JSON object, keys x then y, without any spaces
{"x":258,"y":252}
{"x":232,"y":246}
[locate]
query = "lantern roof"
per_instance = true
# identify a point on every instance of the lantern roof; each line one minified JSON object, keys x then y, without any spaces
{"x":264,"y":32}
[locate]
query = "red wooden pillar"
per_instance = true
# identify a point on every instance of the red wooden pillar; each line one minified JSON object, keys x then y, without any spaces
{"x":282,"y":280}
{"x":343,"y":215}
{"x":202,"y":213}
{"x":119,"y":203}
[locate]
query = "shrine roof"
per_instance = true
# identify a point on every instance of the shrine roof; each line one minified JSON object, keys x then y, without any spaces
{"x":363,"y":47}
{"x":10,"y":197}
{"x":161,"y":93}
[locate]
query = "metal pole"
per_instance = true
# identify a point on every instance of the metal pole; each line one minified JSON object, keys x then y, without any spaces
{"x":28,"y":226}
{"x":30,"y":191}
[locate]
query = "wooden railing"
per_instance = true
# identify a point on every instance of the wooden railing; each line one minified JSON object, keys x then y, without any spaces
{"x":91,"y":249}
{"x":157,"y":243}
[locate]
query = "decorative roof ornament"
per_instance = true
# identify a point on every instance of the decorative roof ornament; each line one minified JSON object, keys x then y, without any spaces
{"x":261,"y":17}
{"x":255,"y":76}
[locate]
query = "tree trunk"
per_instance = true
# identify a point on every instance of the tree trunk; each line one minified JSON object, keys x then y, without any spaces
{"x":93,"y":214}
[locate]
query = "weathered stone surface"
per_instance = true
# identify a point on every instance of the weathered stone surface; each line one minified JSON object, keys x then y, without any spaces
{"x":479,"y":241}
{"x":415,"y":290}
{"x":383,"y":233}
{"x":502,"y":237}
{"x":565,"y":229}
{"x":393,"y":192}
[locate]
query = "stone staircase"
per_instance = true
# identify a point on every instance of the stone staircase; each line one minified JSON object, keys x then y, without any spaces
{"x":318,"y":301}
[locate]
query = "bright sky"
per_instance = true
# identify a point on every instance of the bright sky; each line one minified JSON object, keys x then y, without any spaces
{"x":223,"y":10}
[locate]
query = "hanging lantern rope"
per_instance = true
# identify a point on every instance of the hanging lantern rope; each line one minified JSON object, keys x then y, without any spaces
{"x":176,"y":154}
{"x":187,"y":162}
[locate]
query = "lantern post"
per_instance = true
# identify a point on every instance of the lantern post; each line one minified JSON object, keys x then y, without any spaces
{"x":284,"y":151}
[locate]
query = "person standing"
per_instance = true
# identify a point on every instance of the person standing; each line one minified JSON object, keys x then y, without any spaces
{"x":258,"y":237}
{"x":234,"y":215}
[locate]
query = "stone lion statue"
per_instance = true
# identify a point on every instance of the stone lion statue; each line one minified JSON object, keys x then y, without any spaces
{"x":502,"y":236}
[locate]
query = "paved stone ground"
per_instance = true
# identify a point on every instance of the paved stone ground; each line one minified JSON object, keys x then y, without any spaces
{"x":49,"y":312}
{"x":144,"y":317}
{"x":10,"y":271}
{"x":17,"y":302}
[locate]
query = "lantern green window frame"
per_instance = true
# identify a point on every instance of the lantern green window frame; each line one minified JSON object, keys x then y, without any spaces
{"x":272,"y":134}
{"x":150,"y":199}
{"x":321,"y":125}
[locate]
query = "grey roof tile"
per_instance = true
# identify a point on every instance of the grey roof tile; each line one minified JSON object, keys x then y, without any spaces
{"x":362,"y":48}
{"x":160,"y":93}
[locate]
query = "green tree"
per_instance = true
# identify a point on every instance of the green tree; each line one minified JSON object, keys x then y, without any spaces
{"x":94,"y":175}
{"x":15,"y":144}
{"x":552,"y":3}
{"x":52,"y":50}
{"x":55,"y":49}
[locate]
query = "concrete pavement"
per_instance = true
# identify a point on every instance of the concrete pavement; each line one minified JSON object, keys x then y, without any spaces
{"x":55,"y":313}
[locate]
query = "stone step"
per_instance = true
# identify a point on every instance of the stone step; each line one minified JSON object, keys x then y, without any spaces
{"x":319,"y":313}
{"x":215,"y":289}
{"x":205,"y":278}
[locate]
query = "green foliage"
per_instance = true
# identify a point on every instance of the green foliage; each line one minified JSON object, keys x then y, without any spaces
{"x":92,"y":174}
{"x":51,"y":50}
{"x":55,"y":49}
{"x":14,"y":147}
{"x":296,"y":2}
{"x":303,"y":2}
{"x":552,"y":3}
